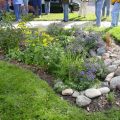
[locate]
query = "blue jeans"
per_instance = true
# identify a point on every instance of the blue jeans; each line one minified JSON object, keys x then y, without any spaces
{"x":115,"y":14}
{"x":37,"y":4}
{"x":47,"y":7}
{"x":17,"y":10}
{"x":7,"y":6}
{"x":106,"y":6}
{"x":65,"y":11}
{"x":98,"y":10}
{"x":26,"y":10}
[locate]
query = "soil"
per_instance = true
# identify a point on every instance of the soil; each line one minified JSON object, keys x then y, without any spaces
{"x":98,"y":104}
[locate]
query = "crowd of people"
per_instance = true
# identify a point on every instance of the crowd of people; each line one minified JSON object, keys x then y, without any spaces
{"x":102,"y":8}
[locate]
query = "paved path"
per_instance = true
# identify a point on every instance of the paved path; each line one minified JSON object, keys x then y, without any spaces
{"x":40,"y":24}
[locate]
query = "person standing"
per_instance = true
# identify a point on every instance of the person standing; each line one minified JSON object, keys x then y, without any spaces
{"x":47,"y":7}
{"x":25,"y":7}
{"x":106,"y":6}
{"x":83,"y":8}
{"x":98,"y":11}
{"x":37,"y":4}
{"x":115,"y":13}
{"x":17,"y":9}
{"x":65,"y":4}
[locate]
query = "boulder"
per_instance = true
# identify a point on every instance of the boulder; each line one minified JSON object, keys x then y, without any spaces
{"x":92,"y":53}
{"x":117,"y":72}
{"x":75,"y":94}
{"x":107,"y":62}
{"x":117,"y":62}
{"x":104,"y":84}
{"x":115,"y":82}
{"x":92,"y":93}
{"x":104,"y":90}
{"x":105,"y":56}
{"x":109,"y":77}
{"x":101,"y":51}
{"x":112,"y":68}
{"x":67,"y":92}
{"x":82,"y":101}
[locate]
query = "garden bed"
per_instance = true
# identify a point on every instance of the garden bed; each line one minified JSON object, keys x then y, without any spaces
{"x":76,"y":59}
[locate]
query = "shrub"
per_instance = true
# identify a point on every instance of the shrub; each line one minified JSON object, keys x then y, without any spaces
{"x":9,"y":36}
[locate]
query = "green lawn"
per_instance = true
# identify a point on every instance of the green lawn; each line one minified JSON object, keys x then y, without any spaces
{"x":23,"y":96}
{"x":59,"y":16}
{"x":72,"y":17}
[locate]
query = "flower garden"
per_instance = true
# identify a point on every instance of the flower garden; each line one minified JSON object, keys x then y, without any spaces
{"x":74,"y":62}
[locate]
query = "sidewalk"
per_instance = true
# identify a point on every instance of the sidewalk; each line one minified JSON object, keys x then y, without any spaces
{"x":39,"y":24}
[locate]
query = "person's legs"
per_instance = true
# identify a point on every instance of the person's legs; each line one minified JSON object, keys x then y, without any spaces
{"x":115,"y":14}
{"x":80,"y":9}
{"x":26,"y":6}
{"x":65,"y":10}
{"x":108,"y":7}
{"x":39,"y":4}
{"x":84,"y":9}
{"x":103,"y":9}
{"x":16,"y":10}
{"x":99,"y":5}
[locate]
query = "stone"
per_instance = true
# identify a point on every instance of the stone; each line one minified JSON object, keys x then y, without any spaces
{"x":105,"y":56}
{"x":67,"y":92}
{"x":117,"y":72}
{"x":92,"y":53}
{"x":101,"y":51}
{"x":104,"y":90}
{"x":109,"y":76}
{"x":112,"y":68}
{"x":107,"y":62}
{"x":99,"y":57}
{"x":82,"y":92}
{"x":117,"y":62}
{"x":104,"y":84}
{"x":92,"y":93}
{"x":113,"y":55}
{"x":115,"y":82}
{"x":75,"y":94}
{"x":82,"y":101}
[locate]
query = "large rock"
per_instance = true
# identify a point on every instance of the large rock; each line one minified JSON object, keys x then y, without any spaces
{"x":104,"y":84}
{"x":112,"y":68}
{"x":101,"y":51}
{"x":75,"y":94}
{"x":117,"y":72}
{"x":107,"y":62}
{"x":82,"y":101}
{"x":92,"y":53}
{"x":115,"y":82}
{"x":67,"y":92}
{"x":104,"y":90}
{"x":117,"y":62}
{"x":106,"y":56}
{"x":92,"y":93}
{"x":109,"y":77}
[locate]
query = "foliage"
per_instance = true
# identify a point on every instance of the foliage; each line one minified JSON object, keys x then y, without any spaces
{"x":9,"y":36}
{"x":84,"y":41}
{"x":75,"y":72}
{"x":111,"y":97}
{"x":115,"y":33}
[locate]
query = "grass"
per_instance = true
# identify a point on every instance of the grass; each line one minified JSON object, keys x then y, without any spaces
{"x":59,"y":16}
{"x":23,"y":96}
{"x":114,"y":32}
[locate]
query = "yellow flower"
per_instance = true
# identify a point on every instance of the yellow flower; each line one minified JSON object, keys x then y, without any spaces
{"x":45,"y":44}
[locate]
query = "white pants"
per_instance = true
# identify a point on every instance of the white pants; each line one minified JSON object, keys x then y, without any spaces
{"x":83,"y":9}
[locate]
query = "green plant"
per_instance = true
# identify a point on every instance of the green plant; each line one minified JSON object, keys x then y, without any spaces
{"x":111,"y":97}
{"x":9,"y":36}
